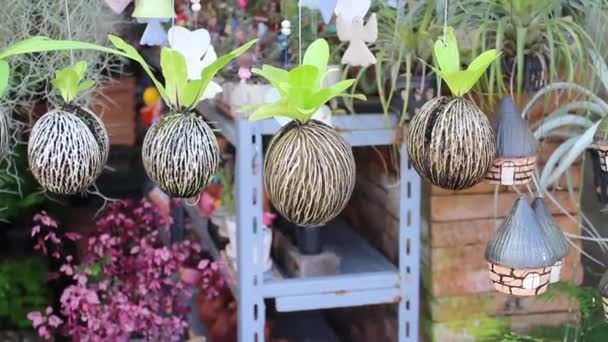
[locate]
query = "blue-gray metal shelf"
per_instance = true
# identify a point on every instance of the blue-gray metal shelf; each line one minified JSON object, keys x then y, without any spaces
{"x":366,"y":277}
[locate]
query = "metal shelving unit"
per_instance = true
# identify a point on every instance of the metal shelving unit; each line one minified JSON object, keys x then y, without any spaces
{"x":366,"y":277}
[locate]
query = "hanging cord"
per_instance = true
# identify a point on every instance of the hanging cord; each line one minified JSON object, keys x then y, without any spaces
{"x":300,"y":33}
{"x":67,"y":18}
{"x":445,"y":22}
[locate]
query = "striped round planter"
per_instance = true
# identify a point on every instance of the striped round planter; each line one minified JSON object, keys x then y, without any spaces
{"x":181,"y":155}
{"x":511,"y":171}
{"x":602,"y":152}
{"x":451,"y":143}
{"x":5,"y":134}
{"x":67,"y":151}
{"x":309,"y":173}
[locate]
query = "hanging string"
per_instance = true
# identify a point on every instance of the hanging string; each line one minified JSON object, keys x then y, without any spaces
{"x":67,"y":17}
{"x":300,"y":33}
{"x":445,"y":22}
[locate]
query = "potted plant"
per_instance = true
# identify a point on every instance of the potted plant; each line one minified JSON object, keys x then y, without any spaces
{"x":519,"y":255}
{"x":321,"y":184}
{"x":125,"y":285}
{"x":539,"y":41}
{"x":554,"y":235}
{"x":450,"y":141}
{"x":515,"y":147}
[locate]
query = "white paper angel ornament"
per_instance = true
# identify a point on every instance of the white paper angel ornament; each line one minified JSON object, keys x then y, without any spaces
{"x":198,"y":52}
{"x":358,"y":33}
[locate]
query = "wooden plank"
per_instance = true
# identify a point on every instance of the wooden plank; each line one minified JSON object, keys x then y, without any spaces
{"x":115,"y":104}
{"x":481,"y":206}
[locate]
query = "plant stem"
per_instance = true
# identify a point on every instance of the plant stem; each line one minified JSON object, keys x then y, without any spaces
{"x":408,"y":81}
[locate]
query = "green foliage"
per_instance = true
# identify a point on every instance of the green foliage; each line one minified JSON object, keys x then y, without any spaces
{"x":22,"y":289}
{"x":448,"y":60}
{"x":227,"y":196}
{"x":301,"y":89}
{"x":69,"y":81}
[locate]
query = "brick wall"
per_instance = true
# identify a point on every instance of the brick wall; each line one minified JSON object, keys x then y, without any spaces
{"x":459,"y":302}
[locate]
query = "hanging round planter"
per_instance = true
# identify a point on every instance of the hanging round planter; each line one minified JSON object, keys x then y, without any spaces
{"x":515,"y":147}
{"x":309,"y":172}
{"x":600,"y":141}
{"x":450,"y":141}
{"x":5,"y":134}
{"x":181,"y":155}
{"x":309,"y":168}
{"x":603,"y":287}
{"x":519,"y":256}
{"x":556,"y":238}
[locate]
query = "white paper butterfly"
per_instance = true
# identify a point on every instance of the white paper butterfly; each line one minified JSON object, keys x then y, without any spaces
{"x":358,"y":33}
{"x":196,"y":48}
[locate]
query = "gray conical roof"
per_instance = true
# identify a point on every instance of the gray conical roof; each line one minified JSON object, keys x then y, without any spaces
{"x":520,"y":242}
{"x":556,"y":237}
{"x":513,"y":136}
{"x":603,"y":287}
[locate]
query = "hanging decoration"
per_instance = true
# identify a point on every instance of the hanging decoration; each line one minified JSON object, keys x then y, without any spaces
{"x":180,"y":152}
{"x":450,"y":141}
{"x":309,"y":170}
{"x":118,"y":6}
{"x":600,"y":142}
{"x":326,"y":7}
{"x":516,"y":147}
{"x":519,"y":256}
{"x":154,"y":13}
{"x":351,"y":28}
{"x":603,"y":287}
{"x":284,"y":41}
{"x":195,"y":6}
{"x":68,"y":147}
{"x":555,"y":236}
{"x":5,"y":134}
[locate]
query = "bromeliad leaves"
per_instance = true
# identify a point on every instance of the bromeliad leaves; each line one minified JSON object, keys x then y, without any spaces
{"x":448,"y":60}
{"x":301,"y":89}
{"x":69,"y":81}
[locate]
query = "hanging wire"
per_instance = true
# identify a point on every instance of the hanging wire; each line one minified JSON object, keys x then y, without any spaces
{"x":445,"y":22}
{"x":300,"y":33}
{"x":67,"y":18}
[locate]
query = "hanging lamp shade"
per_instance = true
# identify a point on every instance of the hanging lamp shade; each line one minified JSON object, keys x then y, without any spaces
{"x":603,"y":287}
{"x":600,"y":140}
{"x":519,"y":255}
{"x":516,"y":147}
{"x":555,"y":236}
{"x":154,"y":9}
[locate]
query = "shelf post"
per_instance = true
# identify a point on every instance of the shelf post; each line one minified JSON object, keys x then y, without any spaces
{"x":251,"y":310}
{"x":409,"y":250}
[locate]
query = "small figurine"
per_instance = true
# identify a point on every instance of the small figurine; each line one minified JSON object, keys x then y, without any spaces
{"x":358,"y":33}
{"x":284,"y":41}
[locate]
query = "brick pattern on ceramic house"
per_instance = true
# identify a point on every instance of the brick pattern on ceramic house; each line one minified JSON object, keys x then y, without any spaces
{"x":520,"y":282}
{"x":522,"y":170}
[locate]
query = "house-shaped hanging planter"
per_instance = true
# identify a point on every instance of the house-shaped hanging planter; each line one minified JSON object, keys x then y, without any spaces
{"x":603,"y":287}
{"x":600,"y":141}
{"x":515,"y":147}
{"x":554,"y":234}
{"x":519,"y":256}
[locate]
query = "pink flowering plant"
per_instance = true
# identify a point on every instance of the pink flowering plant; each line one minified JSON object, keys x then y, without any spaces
{"x":126,"y":285}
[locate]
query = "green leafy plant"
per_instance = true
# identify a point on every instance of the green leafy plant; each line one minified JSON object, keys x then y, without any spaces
{"x":22,"y":289}
{"x":448,"y":60}
{"x":301,"y":89}
{"x":69,"y":81}
{"x":227,"y":195}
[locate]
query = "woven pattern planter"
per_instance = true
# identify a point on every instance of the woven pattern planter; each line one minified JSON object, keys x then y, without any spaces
{"x":605,"y":305}
{"x":511,"y":171}
{"x":602,"y":151}
{"x":520,"y":282}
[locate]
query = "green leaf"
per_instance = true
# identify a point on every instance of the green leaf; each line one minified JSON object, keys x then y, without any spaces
{"x":192,"y":93}
{"x":274,"y":75}
{"x":305,"y":76}
{"x":446,"y":53}
{"x":86,"y":85}
{"x":130,"y":52}
{"x":317,"y":55}
{"x":44,"y":44}
{"x":266,"y":111}
{"x":175,"y":73}
{"x":5,"y":72}
{"x":80,"y":68}
{"x":66,"y":81}
{"x":212,"y":69}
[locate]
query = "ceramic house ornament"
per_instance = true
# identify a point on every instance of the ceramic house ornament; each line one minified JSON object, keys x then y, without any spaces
{"x":358,"y":33}
{"x":600,"y":141}
{"x":554,"y":234}
{"x":603,"y":287}
{"x":519,"y":256}
{"x":450,"y":141}
{"x":68,"y":147}
{"x":516,"y":147}
{"x":154,"y":13}
{"x":309,"y":169}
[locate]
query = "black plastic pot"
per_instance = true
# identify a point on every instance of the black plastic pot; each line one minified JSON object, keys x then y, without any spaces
{"x":309,"y":240}
{"x":600,"y":178}
{"x":534,"y":75}
{"x":420,"y":93}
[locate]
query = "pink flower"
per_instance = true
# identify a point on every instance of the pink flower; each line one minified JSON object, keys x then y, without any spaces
{"x":36,"y":318}
{"x":268,"y":218}
{"x":73,"y":236}
{"x":54,"y":321}
{"x":44,"y":332}
{"x":35,"y":230}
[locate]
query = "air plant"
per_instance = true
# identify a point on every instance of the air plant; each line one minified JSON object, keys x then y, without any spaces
{"x":450,"y":140}
{"x":515,"y":147}
{"x":519,"y":255}
{"x":180,"y":152}
{"x":309,"y":170}
{"x":69,"y":146}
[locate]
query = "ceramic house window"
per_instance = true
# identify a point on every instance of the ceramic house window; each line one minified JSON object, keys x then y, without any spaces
{"x":532,"y":281}
{"x":507,"y":173}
